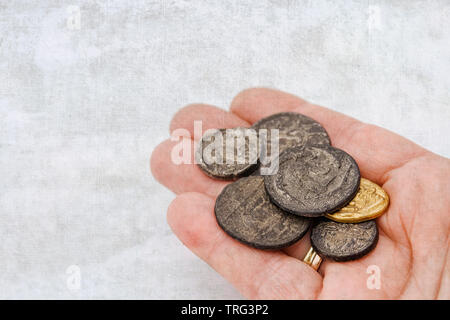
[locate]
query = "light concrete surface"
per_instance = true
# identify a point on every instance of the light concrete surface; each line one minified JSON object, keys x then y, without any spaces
{"x":87,"y":90}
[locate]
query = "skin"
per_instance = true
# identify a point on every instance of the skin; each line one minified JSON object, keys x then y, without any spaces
{"x":412,"y":252}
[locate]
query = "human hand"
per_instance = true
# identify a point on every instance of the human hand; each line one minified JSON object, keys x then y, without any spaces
{"x":412,"y":252}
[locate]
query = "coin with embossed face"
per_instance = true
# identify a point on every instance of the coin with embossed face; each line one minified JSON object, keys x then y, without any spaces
{"x":370,"y":202}
{"x":313,"y":180}
{"x":228,"y":154}
{"x":293,"y":129}
{"x":344,"y":241}
{"x":243,"y":210}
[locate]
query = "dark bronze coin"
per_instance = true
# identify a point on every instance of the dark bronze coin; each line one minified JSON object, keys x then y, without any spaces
{"x":294,"y":129}
{"x":243,"y":210}
{"x":344,"y":241}
{"x":313,"y":180}
{"x":228,"y":154}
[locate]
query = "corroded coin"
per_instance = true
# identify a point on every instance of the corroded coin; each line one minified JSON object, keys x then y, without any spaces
{"x":313,"y":180}
{"x":228,"y":154}
{"x":244,"y":211}
{"x":370,"y":202}
{"x":294,"y":129}
{"x":344,"y":241}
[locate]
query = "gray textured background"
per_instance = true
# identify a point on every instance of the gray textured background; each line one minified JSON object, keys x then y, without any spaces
{"x":81,"y":110}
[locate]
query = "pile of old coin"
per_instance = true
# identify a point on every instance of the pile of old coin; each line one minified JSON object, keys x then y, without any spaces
{"x":304,"y":183}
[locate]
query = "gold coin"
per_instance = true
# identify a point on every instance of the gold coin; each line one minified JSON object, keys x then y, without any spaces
{"x":370,"y":202}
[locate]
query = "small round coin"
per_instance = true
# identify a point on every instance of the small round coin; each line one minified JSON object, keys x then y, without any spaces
{"x":294,"y":129}
{"x":370,"y":202}
{"x":313,"y":180}
{"x":344,"y":241}
{"x":244,"y":211}
{"x":228,"y":154}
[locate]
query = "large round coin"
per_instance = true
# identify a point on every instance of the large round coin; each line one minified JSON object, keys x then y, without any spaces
{"x":228,"y":154}
{"x":294,"y":129}
{"x":313,"y":180}
{"x":344,"y":241}
{"x":243,"y":210}
{"x":370,"y":202}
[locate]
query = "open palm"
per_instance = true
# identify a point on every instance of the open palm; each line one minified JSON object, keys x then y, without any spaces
{"x":412,"y":252}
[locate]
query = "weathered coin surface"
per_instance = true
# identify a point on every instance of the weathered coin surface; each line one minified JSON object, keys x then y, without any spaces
{"x":294,"y":129}
{"x":370,"y":202}
{"x":228,"y":154}
{"x":313,"y":180}
{"x":344,"y":241}
{"x":243,"y":210}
